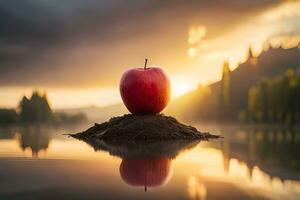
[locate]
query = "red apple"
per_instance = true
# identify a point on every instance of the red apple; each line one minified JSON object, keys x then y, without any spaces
{"x":145,"y":90}
{"x":146,"y":172}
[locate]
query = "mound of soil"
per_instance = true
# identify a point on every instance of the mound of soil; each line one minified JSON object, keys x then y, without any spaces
{"x":143,"y":127}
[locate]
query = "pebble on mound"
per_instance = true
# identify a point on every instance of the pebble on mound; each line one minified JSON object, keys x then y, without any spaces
{"x":143,"y":127}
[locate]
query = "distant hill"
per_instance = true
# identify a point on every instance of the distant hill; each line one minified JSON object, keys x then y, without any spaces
{"x":271,"y":63}
{"x":98,"y":114}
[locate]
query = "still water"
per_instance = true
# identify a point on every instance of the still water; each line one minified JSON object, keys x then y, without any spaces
{"x":248,"y":163}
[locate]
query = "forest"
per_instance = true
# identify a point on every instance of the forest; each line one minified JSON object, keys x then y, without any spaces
{"x":37,"y":110}
{"x":275,"y":100}
{"x":263,"y":89}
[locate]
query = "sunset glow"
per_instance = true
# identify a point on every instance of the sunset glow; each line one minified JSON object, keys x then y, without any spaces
{"x":185,"y":99}
{"x":197,"y":60}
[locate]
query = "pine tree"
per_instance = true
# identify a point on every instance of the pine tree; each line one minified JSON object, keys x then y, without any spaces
{"x":225,"y":92}
{"x":36,"y":109}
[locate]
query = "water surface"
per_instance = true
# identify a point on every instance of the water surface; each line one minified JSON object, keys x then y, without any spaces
{"x":248,"y":163}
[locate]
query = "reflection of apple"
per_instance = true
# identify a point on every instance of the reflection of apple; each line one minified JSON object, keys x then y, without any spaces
{"x":147,"y":172}
{"x":145,"y":90}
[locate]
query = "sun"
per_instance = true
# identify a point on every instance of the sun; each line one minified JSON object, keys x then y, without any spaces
{"x":180,"y":86}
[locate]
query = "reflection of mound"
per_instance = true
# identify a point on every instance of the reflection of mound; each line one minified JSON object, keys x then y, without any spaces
{"x":142,"y":127}
{"x":126,"y":149}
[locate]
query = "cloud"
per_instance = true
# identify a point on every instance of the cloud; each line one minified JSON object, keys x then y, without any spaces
{"x":196,"y":34}
{"x":63,"y":43}
{"x":280,"y":24}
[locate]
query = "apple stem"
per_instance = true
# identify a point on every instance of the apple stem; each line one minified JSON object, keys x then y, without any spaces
{"x":145,"y":188}
{"x":145,"y":66}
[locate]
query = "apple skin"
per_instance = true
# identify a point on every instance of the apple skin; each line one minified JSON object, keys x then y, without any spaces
{"x":146,"y":172}
{"x":145,"y":90}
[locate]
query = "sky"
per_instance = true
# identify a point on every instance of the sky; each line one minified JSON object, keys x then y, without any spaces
{"x":76,"y":51}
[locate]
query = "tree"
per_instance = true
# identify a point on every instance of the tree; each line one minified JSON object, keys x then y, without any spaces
{"x":225,"y":92}
{"x":36,"y":109}
{"x":276,"y":100}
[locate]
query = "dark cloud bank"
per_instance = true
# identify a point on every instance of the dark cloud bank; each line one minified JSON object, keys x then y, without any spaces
{"x":78,"y":43}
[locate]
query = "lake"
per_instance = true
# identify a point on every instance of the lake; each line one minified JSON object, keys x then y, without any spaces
{"x":248,"y":163}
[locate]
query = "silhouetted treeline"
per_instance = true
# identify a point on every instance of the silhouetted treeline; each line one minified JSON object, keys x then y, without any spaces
{"x":245,"y":95}
{"x":260,"y":90}
{"x":275,"y":100}
{"x":36,"y":110}
{"x":8,"y":117}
